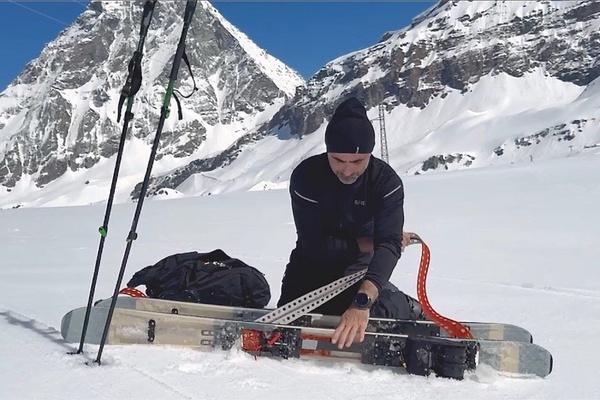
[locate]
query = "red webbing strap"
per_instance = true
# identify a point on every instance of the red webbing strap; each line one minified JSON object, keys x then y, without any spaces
{"x":454,"y":328}
{"x":133,"y":292}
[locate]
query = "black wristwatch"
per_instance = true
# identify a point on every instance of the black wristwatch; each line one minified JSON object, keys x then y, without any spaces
{"x":362,"y":301}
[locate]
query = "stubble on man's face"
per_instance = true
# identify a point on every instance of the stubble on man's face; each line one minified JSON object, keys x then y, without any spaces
{"x":348,"y":167}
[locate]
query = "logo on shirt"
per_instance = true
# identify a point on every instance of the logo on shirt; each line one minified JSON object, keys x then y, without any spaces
{"x":359,"y":202}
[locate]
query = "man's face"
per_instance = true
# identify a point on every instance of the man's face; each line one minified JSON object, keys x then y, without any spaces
{"x":348,"y":167}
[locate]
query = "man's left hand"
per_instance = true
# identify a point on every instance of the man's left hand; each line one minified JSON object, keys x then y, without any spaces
{"x":354,"y":321}
{"x":405,"y":240}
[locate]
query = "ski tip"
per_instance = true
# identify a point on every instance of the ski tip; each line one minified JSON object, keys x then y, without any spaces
{"x":65,"y":323}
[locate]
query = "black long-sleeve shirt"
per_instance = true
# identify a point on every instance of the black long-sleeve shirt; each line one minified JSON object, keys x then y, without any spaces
{"x":330,"y":215}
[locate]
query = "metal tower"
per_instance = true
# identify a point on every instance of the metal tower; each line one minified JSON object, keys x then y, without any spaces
{"x":384,"y":149}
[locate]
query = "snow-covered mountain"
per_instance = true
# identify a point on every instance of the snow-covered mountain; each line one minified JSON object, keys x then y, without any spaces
{"x":59,"y":117}
{"x":467,"y":84}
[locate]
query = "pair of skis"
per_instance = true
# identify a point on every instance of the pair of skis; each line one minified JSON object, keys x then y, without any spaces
{"x":420,"y":347}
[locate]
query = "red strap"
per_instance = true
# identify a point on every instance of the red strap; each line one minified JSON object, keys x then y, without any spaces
{"x":133,"y":292}
{"x":454,"y":328}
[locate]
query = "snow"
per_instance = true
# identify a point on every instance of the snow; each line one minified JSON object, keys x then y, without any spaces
{"x":514,"y":243}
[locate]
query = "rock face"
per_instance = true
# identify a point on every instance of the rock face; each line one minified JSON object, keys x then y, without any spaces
{"x":60,"y":112}
{"x":451,"y":47}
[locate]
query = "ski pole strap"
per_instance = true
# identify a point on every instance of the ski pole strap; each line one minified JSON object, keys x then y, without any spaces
{"x":133,"y":82}
{"x":134,"y":77}
{"x":454,"y":328}
{"x":176,"y":92}
{"x":189,"y":66}
{"x":303,"y":305}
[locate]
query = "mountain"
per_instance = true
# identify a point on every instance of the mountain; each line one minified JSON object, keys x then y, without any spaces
{"x":58,"y":119}
{"x":467,"y":84}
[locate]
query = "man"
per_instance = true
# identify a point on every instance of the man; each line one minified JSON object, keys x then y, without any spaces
{"x":348,"y":211}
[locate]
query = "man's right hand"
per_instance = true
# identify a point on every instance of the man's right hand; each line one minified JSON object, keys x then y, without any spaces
{"x":352,"y":324}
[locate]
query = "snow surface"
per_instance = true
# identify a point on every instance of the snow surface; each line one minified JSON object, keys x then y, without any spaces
{"x":516,"y":244}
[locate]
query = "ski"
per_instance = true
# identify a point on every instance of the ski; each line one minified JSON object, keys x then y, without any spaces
{"x":418,"y":354}
{"x":481,"y":330}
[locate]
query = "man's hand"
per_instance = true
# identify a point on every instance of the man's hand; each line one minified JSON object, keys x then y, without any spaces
{"x":353,"y":321}
{"x":405,"y":240}
{"x":365,"y":244}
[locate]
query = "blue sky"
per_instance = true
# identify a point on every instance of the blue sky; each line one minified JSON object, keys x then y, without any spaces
{"x":304,"y":35}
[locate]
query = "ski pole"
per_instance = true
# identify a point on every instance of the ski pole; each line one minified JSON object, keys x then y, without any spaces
{"x":190,"y":8}
{"x":130,"y":89}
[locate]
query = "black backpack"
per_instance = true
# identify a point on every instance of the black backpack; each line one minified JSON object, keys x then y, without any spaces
{"x":211,"y":278}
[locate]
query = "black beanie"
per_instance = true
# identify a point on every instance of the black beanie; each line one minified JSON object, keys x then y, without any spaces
{"x":350,"y":130}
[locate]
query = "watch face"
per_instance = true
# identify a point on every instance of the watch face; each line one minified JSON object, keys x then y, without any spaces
{"x":362,"y":300}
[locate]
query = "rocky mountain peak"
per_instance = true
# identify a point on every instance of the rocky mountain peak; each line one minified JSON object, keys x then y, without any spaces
{"x":59,"y":114}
